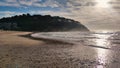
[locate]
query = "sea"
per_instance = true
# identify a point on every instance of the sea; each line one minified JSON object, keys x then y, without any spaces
{"x":104,"y":45}
{"x":105,"y":40}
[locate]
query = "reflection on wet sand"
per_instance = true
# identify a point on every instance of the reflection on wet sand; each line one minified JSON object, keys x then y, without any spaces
{"x":91,"y":50}
{"x":101,"y":52}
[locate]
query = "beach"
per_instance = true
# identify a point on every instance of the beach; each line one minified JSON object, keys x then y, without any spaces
{"x":18,"y":50}
{"x":21,"y":52}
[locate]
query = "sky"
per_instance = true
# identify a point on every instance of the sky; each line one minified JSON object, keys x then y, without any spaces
{"x":94,"y":14}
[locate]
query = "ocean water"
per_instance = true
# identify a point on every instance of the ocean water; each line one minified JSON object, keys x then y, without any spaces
{"x":106,"y":38}
{"x":101,"y":46}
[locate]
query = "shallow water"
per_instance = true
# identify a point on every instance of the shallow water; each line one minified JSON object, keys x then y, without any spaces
{"x":101,"y":49}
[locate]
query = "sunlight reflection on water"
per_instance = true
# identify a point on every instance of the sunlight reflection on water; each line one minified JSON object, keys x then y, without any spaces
{"x":96,"y":47}
{"x":102,"y":53}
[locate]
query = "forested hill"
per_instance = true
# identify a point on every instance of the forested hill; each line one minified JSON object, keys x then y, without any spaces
{"x":27,"y":22}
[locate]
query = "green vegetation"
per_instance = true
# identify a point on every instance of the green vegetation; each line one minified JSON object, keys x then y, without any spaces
{"x":27,"y":22}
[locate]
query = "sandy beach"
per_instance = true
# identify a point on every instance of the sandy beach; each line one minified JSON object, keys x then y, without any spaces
{"x":21,"y":52}
{"x":17,"y":50}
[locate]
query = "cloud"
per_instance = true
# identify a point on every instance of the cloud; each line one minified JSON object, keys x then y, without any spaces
{"x":9,"y":3}
{"x":82,"y":3}
{"x":84,"y":11}
{"x":47,"y":3}
{"x":8,"y":13}
{"x":29,"y":3}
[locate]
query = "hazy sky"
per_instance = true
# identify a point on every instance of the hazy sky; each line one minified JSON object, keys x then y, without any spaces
{"x":95,"y":14}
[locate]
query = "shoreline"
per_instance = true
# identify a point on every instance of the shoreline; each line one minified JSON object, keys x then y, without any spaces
{"x":21,"y":50}
{"x":54,"y":41}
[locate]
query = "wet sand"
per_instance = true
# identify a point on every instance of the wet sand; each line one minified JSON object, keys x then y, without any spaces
{"x":18,"y":50}
{"x":24,"y":52}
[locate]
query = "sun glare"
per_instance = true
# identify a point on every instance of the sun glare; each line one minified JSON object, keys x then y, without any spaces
{"x":103,"y":3}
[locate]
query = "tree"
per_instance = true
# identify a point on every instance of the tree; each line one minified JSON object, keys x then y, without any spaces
{"x":27,"y":22}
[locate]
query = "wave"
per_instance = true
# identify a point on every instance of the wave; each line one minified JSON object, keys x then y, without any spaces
{"x":100,"y":40}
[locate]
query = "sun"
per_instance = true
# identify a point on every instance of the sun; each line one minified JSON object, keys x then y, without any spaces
{"x":103,"y":3}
